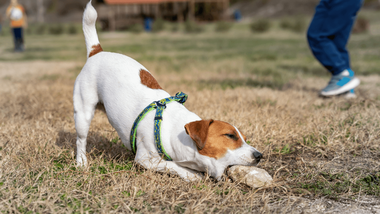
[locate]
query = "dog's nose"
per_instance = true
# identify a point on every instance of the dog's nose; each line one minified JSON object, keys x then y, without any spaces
{"x":257,"y":156}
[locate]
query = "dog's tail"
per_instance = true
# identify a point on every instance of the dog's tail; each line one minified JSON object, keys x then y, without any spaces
{"x":89,"y":30}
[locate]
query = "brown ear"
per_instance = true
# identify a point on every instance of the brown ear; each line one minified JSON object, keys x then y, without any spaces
{"x":198,"y":131}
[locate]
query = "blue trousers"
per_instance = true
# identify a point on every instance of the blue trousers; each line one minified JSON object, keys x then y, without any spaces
{"x":18,"y":37}
{"x":329,"y":31}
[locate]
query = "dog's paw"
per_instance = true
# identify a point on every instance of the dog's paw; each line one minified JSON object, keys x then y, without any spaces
{"x":193,"y":177}
{"x":81,"y":162}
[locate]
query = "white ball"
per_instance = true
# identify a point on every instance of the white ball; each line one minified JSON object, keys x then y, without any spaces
{"x":16,"y":14}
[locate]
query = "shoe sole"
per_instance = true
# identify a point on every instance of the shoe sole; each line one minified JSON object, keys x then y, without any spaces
{"x":350,"y":85}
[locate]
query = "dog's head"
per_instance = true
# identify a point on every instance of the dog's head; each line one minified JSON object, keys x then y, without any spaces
{"x":223,"y":143}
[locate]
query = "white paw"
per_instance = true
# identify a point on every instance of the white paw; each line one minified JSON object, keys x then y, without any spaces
{"x":193,"y":177}
{"x":81,"y":161}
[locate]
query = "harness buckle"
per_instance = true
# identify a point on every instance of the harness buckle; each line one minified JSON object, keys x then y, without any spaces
{"x":182,"y":97}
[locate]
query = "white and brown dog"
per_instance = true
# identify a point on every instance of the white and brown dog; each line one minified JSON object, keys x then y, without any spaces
{"x":125,"y":88}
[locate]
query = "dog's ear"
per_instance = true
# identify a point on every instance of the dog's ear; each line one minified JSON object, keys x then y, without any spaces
{"x":198,"y":131}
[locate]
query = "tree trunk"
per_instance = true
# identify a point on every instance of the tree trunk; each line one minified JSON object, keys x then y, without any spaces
{"x":190,"y":15}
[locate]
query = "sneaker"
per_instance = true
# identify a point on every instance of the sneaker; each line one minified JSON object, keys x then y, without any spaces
{"x":341,"y":83}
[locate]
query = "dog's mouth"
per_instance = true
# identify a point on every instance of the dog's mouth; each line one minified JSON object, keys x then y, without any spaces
{"x":254,"y":163}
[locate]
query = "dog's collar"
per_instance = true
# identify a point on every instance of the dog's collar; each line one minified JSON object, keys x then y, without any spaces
{"x":159,"y":106}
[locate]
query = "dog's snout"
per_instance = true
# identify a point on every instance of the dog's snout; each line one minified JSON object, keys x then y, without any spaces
{"x":257,"y":156}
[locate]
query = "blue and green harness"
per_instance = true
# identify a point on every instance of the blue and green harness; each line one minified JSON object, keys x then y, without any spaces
{"x":159,"y":106}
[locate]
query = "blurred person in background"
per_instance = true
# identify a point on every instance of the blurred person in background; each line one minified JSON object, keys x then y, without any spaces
{"x":237,"y":15}
{"x":328,"y":35}
{"x":16,"y":13}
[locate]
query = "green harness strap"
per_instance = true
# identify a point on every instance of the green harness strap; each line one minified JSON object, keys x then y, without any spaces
{"x":159,"y":106}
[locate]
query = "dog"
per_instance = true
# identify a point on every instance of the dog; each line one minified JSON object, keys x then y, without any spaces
{"x":125,"y":87}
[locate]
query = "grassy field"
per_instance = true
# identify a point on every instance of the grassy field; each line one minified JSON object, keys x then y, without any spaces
{"x":323,"y":153}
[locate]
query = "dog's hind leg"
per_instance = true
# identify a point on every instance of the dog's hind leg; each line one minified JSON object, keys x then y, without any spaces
{"x":84,"y":109}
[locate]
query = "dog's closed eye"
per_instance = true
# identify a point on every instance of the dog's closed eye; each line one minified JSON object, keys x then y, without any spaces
{"x":231,"y":136}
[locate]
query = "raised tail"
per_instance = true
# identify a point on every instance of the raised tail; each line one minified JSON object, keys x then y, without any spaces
{"x":89,"y":29}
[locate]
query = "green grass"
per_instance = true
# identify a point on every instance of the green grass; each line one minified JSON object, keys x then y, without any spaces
{"x":333,"y":185}
{"x":289,"y":52}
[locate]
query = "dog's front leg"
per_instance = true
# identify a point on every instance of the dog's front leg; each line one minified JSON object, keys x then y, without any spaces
{"x":151,"y":160}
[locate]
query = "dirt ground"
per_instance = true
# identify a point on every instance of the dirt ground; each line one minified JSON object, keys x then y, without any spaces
{"x":36,"y":108}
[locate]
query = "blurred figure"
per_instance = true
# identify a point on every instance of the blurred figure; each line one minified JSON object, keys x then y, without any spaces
{"x":16,"y":13}
{"x":148,"y":24}
{"x":237,"y":15}
{"x":328,"y":35}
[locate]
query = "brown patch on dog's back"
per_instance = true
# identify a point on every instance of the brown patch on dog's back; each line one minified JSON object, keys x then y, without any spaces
{"x":148,"y":80}
{"x":221,"y":136}
{"x":95,"y":49}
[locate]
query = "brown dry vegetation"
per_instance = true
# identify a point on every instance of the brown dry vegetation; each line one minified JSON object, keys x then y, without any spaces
{"x":322,"y":153}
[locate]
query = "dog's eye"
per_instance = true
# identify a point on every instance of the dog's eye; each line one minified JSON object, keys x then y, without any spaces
{"x":231,"y":136}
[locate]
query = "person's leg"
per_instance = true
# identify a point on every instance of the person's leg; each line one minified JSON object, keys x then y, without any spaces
{"x":17,"y":35}
{"x":18,"y":39}
{"x":14,"y":31}
{"x":328,"y":36}
{"x":329,"y":31}
{"x":341,"y":38}
{"x":22,"y":47}
{"x":340,"y":42}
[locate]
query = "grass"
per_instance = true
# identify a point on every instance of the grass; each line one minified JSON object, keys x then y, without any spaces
{"x":265,"y":84}
{"x":335,"y":185}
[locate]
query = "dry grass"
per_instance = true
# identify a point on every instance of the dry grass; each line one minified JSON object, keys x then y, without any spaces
{"x":320,"y":151}
{"x":38,"y":141}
